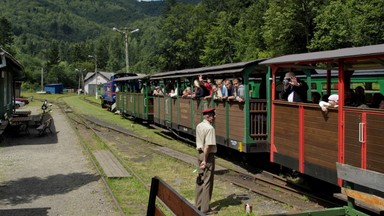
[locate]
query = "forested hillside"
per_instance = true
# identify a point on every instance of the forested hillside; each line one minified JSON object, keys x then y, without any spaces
{"x":59,"y":35}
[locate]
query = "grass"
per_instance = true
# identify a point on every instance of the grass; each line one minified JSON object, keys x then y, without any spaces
{"x":131,"y":194}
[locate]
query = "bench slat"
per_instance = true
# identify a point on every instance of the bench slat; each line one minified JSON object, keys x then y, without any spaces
{"x":370,"y":199}
{"x":361,"y":176}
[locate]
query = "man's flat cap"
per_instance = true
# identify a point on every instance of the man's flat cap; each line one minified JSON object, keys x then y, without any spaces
{"x":209,"y":111}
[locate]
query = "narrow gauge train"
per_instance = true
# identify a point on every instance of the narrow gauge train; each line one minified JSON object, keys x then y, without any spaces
{"x":298,"y":136}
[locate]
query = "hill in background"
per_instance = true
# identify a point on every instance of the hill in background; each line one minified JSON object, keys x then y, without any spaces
{"x":75,"y":20}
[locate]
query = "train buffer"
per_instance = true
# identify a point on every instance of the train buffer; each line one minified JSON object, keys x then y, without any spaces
{"x":110,"y":165}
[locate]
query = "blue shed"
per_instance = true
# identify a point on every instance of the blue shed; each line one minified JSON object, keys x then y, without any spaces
{"x":55,"y":88}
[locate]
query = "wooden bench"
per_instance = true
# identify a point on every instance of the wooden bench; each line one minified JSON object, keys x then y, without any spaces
{"x":352,"y":177}
{"x":46,"y":125}
{"x":37,"y":119}
{"x":355,"y":197}
{"x":170,"y":199}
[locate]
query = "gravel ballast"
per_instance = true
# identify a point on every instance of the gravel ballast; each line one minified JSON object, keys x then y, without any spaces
{"x":50,"y":175}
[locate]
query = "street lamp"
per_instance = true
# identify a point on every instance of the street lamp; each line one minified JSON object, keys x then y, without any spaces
{"x":125,"y":32}
{"x":95,"y":60}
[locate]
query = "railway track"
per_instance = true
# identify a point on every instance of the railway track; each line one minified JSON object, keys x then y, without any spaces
{"x":262,"y":183}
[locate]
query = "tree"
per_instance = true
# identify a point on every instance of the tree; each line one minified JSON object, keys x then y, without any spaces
{"x":367,"y":22}
{"x":179,"y":44}
{"x":249,"y":42}
{"x":288,"y":25}
{"x":6,"y":35}
{"x":219,"y":47}
{"x":53,"y":55}
{"x":332,"y":29}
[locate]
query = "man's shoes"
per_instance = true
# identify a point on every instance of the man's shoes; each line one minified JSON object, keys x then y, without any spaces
{"x":211,"y":212}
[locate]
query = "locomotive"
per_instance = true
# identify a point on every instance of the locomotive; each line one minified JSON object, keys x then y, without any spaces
{"x":110,"y":88}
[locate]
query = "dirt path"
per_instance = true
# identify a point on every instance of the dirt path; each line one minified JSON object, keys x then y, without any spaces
{"x":50,"y":175}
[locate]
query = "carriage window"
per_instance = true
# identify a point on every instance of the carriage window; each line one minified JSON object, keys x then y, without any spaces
{"x":368,"y":86}
{"x":313,"y":86}
{"x":334,"y":86}
{"x":370,"y":89}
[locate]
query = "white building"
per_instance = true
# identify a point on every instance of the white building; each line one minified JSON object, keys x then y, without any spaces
{"x":91,"y":80}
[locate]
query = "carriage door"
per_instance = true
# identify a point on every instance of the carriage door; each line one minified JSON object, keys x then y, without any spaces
{"x":363,"y":139}
{"x":168,"y":111}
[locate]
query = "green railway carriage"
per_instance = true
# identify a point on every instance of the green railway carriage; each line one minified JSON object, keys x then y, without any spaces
{"x":242,"y":126}
{"x":371,"y":80}
{"x":135,"y":98}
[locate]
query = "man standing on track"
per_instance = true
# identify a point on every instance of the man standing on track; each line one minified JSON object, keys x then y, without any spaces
{"x":206,"y":147}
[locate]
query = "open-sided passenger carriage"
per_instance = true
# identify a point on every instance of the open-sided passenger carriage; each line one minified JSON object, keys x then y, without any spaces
{"x":308,"y":140}
{"x":242,"y":126}
{"x":134,"y":97}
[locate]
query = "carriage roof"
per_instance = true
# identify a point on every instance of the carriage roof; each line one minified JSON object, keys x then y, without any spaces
{"x":211,"y":70}
{"x":366,"y":57}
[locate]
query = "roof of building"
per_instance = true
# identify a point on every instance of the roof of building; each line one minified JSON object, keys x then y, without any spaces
{"x":8,"y":61}
{"x":106,"y":75}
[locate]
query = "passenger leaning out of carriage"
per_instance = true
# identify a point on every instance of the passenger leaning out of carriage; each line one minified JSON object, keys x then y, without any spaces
{"x":216,"y":93}
{"x":207,"y":83}
{"x":157,"y":91}
{"x":223,"y":89}
{"x":238,"y":91}
{"x":200,"y":90}
{"x":228,"y":85}
{"x":187,"y":93}
{"x":295,"y":90}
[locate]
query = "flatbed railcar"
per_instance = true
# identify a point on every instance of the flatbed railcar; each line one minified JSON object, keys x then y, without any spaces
{"x":305,"y":139}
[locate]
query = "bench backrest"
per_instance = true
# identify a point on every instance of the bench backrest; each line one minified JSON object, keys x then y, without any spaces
{"x":367,"y":178}
{"x":170,"y":199}
{"x":48,"y":122}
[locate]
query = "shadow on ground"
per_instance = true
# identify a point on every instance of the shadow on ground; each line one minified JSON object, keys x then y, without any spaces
{"x":26,"y":190}
{"x":231,"y":200}
{"x":32,"y":137}
{"x":24,"y":211}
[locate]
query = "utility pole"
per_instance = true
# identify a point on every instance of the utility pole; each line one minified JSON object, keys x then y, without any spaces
{"x":96,"y":74}
{"x":125,"y":32}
